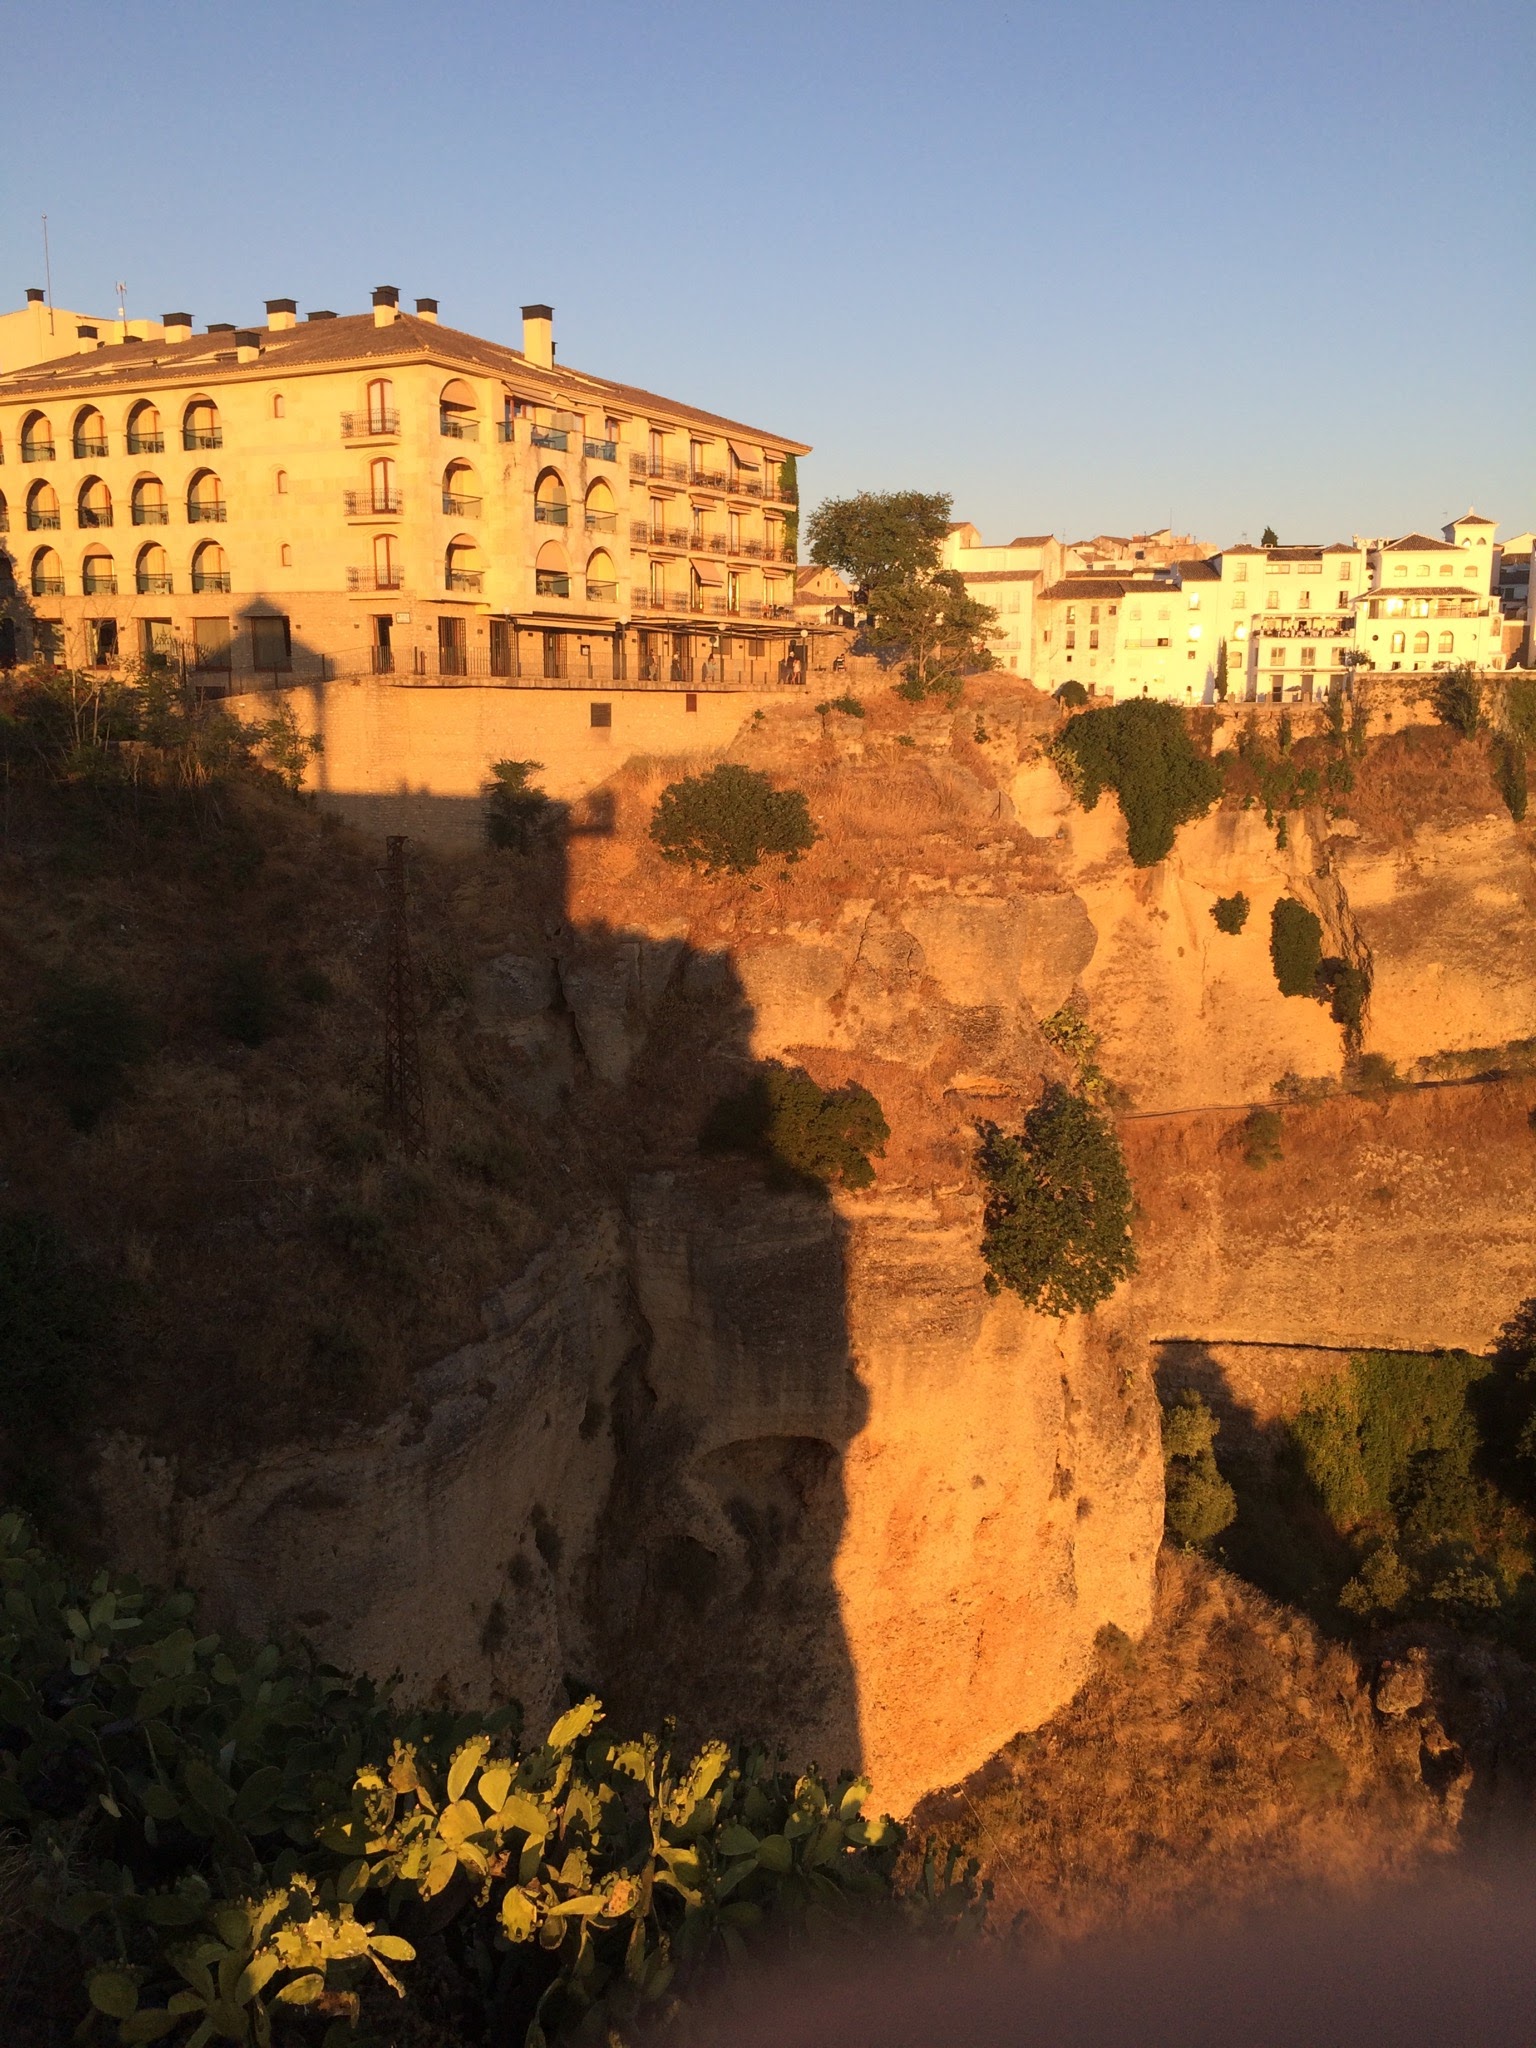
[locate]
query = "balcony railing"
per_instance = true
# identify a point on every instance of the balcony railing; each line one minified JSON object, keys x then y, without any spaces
{"x":372,"y":504}
{"x":37,"y":451}
{"x":653,"y":465}
{"x":151,"y":515}
{"x":600,"y":451}
{"x":375,"y":579}
{"x":463,"y":579}
{"x":383,"y":662}
{"x":550,"y":437}
{"x":461,"y":508}
{"x":368,"y":426}
{"x":47,"y":586}
{"x":458,"y":429}
{"x":506,"y":430}
{"x":599,"y":592}
{"x":601,"y":522}
{"x":551,"y":515}
{"x":652,"y":601}
{"x":146,"y":444}
{"x":94,"y":445}
{"x":210,"y":579}
{"x":708,"y":479}
{"x":548,"y":583}
{"x":150,"y":584}
{"x":99,"y":586}
{"x":38,"y":522}
{"x":202,"y":437}
{"x":202,"y":512}
{"x":93,"y":515}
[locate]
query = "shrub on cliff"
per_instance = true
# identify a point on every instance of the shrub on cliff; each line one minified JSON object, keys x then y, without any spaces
{"x":85,"y":1038}
{"x":1456,"y":698}
{"x":1072,"y":694}
{"x":239,"y":1838}
{"x":1058,"y":1214}
{"x":1143,"y":751}
{"x":805,"y":1132}
{"x":1230,"y":913}
{"x":515,"y":812}
{"x":1263,"y":1133}
{"x":1295,"y":947}
{"x":727,"y":820}
{"x":1510,"y":775}
{"x":1198,"y":1502}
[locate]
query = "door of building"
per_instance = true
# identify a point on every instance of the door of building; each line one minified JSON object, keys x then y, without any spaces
{"x":452,"y":645}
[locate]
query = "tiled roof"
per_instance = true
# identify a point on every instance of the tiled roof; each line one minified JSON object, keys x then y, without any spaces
{"x":1419,"y":544}
{"x":1096,"y":586}
{"x":1032,"y":540}
{"x":1001,"y":575}
{"x":328,"y":344}
{"x":1201,"y":571}
{"x":1298,"y":553}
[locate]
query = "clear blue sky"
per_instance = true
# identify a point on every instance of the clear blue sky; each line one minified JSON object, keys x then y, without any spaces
{"x":1083,"y":266}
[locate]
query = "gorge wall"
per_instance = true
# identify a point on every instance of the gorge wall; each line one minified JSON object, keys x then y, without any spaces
{"x":779,"y":1463}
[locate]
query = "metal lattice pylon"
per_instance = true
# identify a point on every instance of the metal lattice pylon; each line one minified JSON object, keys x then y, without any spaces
{"x":404,"y":1108}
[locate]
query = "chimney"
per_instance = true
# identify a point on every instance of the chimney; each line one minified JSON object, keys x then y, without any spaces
{"x":34,"y":295}
{"x":85,"y":338}
{"x":320,"y":313}
{"x":178,"y":326}
{"x":426,"y":309}
{"x":221,"y":328}
{"x":281,"y":314}
{"x":539,"y":336}
{"x":247,"y":345}
{"x":386,"y":306}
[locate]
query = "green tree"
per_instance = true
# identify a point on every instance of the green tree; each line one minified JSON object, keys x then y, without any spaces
{"x":1456,"y":698}
{"x":1198,"y":1502}
{"x":1143,"y":751}
{"x":1072,"y":694}
{"x":1269,"y":538}
{"x":789,"y":491}
{"x":1295,"y":947}
{"x":1230,"y":913}
{"x":805,"y":1132}
{"x":1058,"y":1213}
{"x":515,"y":812}
{"x":1221,"y":673}
{"x":1509,"y":773}
{"x":879,"y":537}
{"x":939,"y":629}
{"x":727,"y":820}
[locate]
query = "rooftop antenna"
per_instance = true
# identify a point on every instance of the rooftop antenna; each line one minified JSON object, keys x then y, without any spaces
{"x":122,"y":305}
{"x":48,"y":273}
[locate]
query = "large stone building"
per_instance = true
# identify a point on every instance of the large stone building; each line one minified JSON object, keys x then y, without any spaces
{"x":383,"y":493}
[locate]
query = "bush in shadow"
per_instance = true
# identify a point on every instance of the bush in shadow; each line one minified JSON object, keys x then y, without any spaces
{"x":246,"y":1003}
{"x":54,"y":1323}
{"x":806,"y":1133}
{"x":1058,"y":1208}
{"x":515,"y":812}
{"x":85,"y":1037}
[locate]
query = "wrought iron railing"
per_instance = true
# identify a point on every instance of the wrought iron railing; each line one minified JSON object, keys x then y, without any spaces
{"x":708,"y":479}
{"x":202,"y":437}
{"x":47,"y":586}
{"x":93,"y":515}
{"x":375,"y":579}
{"x":41,"y":522}
{"x":372,"y":504}
{"x":150,"y":515}
{"x":99,"y":586}
{"x":85,"y":448}
{"x":654,"y":466}
{"x":38,"y":451}
{"x":152,"y":583}
{"x":210,"y":579}
{"x":146,"y":444}
{"x":206,"y":512}
{"x":367,"y":426}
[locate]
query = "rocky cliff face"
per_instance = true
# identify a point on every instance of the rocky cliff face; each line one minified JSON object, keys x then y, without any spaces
{"x":778,"y":1463}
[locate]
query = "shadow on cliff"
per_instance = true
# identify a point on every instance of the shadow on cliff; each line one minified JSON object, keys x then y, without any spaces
{"x":709,"y":1590}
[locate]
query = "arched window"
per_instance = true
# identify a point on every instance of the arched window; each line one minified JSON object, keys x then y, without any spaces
{"x":98,"y":574}
{"x":386,"y":562}
{"x":281,"y":482}
{"x":551,"y":575}
{"x":461,"y":491}
{"x":47,"y":574}
{"x":383,"y":489}
{"x":210,"y":568}
{"x":456,"y":410}
{"x":149,"y":506}
{"x":146,"y":436}
{"x":549,"y":501}
{"x":602,"y":584}
{"x":1421,"y":643}
{"x":285,"y":556}
{"x":1447,"y":643}
{"x":90,"y":434}
{"x":200,"y":426}
{"x":382,"y":417}
{"x":37,"y":438}
{"x":601,"y":511}
{"x":152,"y":571}
{"x":205,"y":500}
{"x":462,"y":568}
{"x":277,"y":405}
{"x":42,"y":508}
{"x":93,"y":504}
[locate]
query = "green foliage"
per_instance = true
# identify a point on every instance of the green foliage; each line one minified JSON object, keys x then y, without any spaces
{"x":1072,"y":694}
{"x":1295,"y":947}
{"x":1349,"y":990}
{"x":1070,"y":1032}
{"x":1456,"y":698}
{"x":879,"y":537}
{"x":1059,"y":1202}
{"x":1509,"y":773}
{"x":85,"y":1037}
{"x":848,"y":704}
{"x":1221,"y":673}
{"x":1143,"y":751}
{"x":1520,"y":710}
{"x":1263,"y":1132}
{"x":246,"y":1002}
{"x":807,"y":1133}
{"x":1231,"y":913}
{"x":515,"y":812}
{"x":55,"y":1333}
{"x":934,"y":627}
{"x":242,"y":1839}
{"x":789,"y":492}
{"x":1269,"y":538}
{"x":1374,"y":1074}
{"x":1198,"y":1502}
{"x":727,"y":820}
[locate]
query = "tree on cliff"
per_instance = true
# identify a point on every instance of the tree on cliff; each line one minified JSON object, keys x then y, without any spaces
{"x":727,"y":820}
{"x":1143,"y":751}
{"x":1058,"y":1209}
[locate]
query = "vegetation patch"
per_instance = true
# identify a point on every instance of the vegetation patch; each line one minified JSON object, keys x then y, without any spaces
{"x":1059,"y":1203}
{"x":515,"y":812}
{"x":1456,"y":698}
{"x":727,"y":820}
{"x":1198,"y":1503}
{"x":1143,"y":751}
{"x":1295,"y":947}
{"x":806,"y":1133}
{"x":1263,"y":1132}
{"x":55,"y":1332}
{"x":1231,"y":913}
{"x":85,"y":1038}
{"x":847,"y":704}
